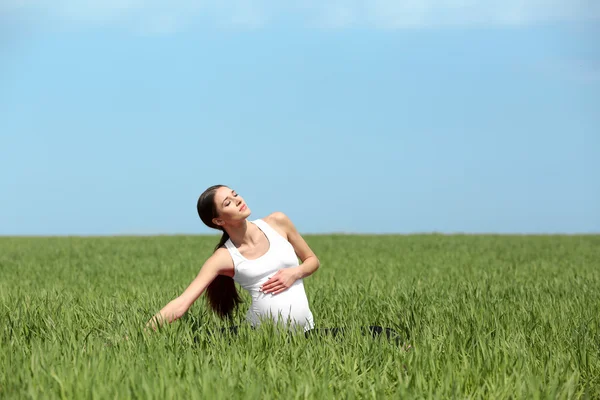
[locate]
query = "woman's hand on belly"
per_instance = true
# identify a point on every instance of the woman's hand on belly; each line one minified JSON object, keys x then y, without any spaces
{"x":281,"y":281}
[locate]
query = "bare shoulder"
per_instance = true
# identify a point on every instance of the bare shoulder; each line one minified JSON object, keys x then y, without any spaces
{"x":278,"y":218}
{"x":220,"y":261}
{"x":280,"y":222}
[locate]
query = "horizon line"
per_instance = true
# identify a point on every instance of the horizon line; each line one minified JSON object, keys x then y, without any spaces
{"x":423,"y":233}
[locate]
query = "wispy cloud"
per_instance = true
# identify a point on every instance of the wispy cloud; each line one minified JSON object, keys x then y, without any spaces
{"x":381,"y":14}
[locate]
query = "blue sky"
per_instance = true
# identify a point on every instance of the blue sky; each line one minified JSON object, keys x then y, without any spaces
{"x":349,"y":116}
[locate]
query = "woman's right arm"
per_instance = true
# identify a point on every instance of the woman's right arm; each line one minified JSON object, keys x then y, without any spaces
{"x":219,"y":262}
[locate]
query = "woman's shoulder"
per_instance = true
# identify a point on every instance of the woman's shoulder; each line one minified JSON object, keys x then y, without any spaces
{"x":220,"y":261}
{"x":279,"y":221}
{"x":278,"y":218}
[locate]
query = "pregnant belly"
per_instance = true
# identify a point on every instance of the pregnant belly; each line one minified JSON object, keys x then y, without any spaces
{"x":286,"y":307}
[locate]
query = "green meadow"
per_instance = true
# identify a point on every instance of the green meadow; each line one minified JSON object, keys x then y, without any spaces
{"x":486,"y":317}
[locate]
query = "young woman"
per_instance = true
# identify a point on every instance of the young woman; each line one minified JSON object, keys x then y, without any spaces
{"x":260,"y":255}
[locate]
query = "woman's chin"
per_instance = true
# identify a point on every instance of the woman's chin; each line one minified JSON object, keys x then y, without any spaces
{"x":245,"y":214}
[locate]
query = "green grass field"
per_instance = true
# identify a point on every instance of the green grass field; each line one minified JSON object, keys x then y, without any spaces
{"x":487,"y":317}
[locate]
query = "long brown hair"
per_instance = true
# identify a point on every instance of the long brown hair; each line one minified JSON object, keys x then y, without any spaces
{"x":222,"y":294}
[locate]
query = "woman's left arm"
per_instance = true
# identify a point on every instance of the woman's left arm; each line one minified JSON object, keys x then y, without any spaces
{"x":284,"y":278}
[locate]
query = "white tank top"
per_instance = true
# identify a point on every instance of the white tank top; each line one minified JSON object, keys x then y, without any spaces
{"x":290,"y":306}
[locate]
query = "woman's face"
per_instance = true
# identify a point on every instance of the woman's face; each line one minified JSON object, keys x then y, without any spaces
{"x":231,"y":207}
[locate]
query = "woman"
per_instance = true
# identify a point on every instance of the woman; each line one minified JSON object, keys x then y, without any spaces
{"x":260,"y":255}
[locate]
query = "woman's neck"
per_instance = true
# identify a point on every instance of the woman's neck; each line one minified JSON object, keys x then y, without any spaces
{"x":241,"y":233}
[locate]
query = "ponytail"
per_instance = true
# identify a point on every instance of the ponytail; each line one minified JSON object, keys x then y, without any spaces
{"x":222,"y":294}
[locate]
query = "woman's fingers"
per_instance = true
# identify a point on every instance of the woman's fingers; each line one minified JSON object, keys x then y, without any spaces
{"x":272,"y":281}
{"x":276,"y":289}
{"x":271,"y":285}
{"x":273,"y":288}
{"x":153,"y":322}
{"x":270,"y":289}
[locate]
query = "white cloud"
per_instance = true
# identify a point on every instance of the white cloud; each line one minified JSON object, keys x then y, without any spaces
{"x":165,"y":16}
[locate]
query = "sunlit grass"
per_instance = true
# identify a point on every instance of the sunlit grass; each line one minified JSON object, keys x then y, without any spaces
{"x":486,"y":316}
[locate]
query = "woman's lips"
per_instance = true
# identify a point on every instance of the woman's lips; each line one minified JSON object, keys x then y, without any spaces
{"x":242,"y":208}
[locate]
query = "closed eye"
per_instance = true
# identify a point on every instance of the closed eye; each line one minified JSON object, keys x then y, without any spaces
{"x":229,"y":201}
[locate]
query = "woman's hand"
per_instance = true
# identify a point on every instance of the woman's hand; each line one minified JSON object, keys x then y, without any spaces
{"x":155,"y":321}
{"x":172,"y":311}
{"x":281,"y":281}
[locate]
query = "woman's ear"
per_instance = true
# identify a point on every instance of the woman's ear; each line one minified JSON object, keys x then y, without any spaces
{"x":217,"y":221}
